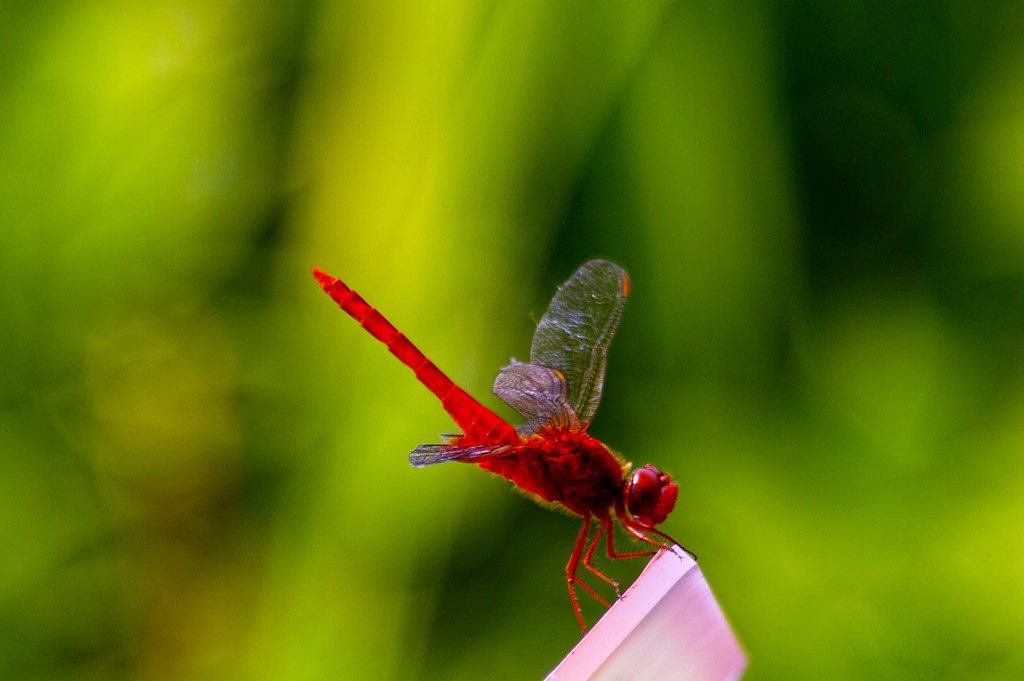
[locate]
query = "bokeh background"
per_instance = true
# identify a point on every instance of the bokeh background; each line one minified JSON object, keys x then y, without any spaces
{"x":203,"y":467}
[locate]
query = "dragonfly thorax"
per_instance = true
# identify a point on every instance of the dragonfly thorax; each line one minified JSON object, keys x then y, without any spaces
{"x":650,"y":495}
{"x":571,"y":469}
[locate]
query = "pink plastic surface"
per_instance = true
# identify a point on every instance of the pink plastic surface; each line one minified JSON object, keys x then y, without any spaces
{"x":668,"y":625}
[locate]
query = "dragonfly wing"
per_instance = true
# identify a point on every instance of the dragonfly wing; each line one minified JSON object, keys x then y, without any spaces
{"x":428,"y":455}
{"x":574,"y":334}
{"x":539,"y":394}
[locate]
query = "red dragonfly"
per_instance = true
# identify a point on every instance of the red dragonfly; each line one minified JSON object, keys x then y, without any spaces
{"x":551,"y":458}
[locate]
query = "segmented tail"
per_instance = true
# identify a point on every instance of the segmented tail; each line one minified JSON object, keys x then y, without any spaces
{"x":478,"y":423}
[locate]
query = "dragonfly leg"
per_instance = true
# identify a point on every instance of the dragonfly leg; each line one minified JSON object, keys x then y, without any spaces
{"x":603,"y":527}
{"x":612,"y":553}
{"x":570,"y":573}
{"x":643,"y":533}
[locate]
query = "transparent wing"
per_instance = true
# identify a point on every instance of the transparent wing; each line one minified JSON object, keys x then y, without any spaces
{"x":428,"y":455}
{"x":574,"y":334}
{"x":539,"y":394}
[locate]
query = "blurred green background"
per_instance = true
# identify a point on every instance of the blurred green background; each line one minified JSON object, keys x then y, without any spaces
{"x":203,"y":467}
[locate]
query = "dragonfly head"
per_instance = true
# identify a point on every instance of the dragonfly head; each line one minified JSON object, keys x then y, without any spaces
{"x":650,"y":495}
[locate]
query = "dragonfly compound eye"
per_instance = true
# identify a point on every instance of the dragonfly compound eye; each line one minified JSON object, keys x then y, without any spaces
{"x":650,"y":495}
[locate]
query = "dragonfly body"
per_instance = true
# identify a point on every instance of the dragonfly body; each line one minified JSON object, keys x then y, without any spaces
{"x":571,"y":469}
{"x":551,"y":457}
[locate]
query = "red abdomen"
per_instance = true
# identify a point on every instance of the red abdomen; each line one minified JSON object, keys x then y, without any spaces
{"x":567,"y":468}
{"x":479,"y":424}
